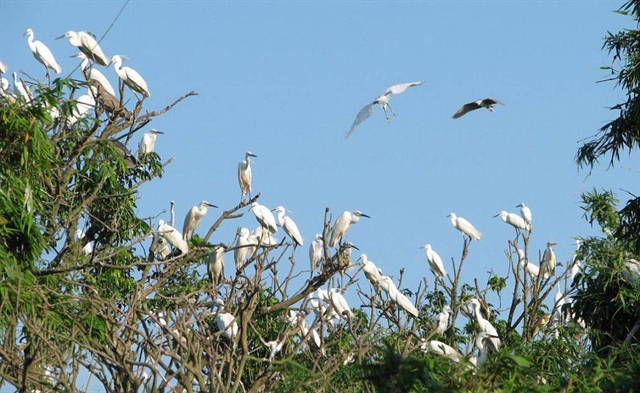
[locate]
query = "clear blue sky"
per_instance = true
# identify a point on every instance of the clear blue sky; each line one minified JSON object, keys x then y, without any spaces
{"x":286,"y":80}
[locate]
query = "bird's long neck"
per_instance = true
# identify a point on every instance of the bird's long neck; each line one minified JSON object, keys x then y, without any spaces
{"x":85,"y":63}
{"x":30,"y":41}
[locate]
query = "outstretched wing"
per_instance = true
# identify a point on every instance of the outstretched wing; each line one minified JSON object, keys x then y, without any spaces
{"x":397,"y":89}
{"x":491,"y":101}
{"x":464,"y":109}
{"x":363,"y":115}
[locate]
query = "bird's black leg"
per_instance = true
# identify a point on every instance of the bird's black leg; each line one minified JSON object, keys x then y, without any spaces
{"x":392,"y":112}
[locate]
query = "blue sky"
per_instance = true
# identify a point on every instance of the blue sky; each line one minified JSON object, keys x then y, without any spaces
{"x":286,"y":80}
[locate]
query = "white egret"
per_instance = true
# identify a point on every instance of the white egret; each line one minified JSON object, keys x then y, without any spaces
{"x":130,"y":77}
{"x":319,"y":301}
{"x":383,"y":102}
{"x":632,"y":271}
{"x":20,"y":89}
{"x":83,"y":104}
{"x":548,"y":264}
{"x":576,"y":263}
{"x":87,"y":249}
{"x":440,"y":348}
{"x":241,"y":250}
{"x":265,"y":217}
{"x":513,"y":219}
{"x":387,"y":284}
{"x":193,"y":219}
{"x":559,"y":302}
{"x":260,"y":236}
{"x":4,"y":88}
{"x":173,"y":236}
{"x":435,"y":262}
{"x":525,"y":213}
{"x":215,"y":267}
{"x":532,"y":269}
{"x":484,"y":324}
{"x":316,"y":250}
{"x":94,"y":74}
{"x":148,"y":142}
{"x":371,"y":271}
{"x":87,"y":45}
{"x":3,"y":68}
{"x":342,"y":225}
{"x":42,"y":53}
{"x":289,"y":226}
{"x":465,"y":227}
{"x":244,"y":174}
{"x":225,"y":321}
{"x":159,"y":246}
{"x":442,"y":320}
{"x":340,"y":304}
{"x":477,"y":104}
{"x":482,"y":350}
{"x":274,"y":346}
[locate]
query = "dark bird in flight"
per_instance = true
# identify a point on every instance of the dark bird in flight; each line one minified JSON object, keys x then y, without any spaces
{"x":477,"y":104}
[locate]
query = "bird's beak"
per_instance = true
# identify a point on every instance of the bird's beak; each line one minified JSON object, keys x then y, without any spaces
{"x":25,"y":33}
{"x":364,"y":215}
{"x":211,"y":205}
{"x":496,"y":215}
{"x":159,"y":132}
{"x":553,"y":243}
{"x":76,"y":55}
{"x":253,"y":155}
{"x":62,"y":36}
{"x":352,"y":246}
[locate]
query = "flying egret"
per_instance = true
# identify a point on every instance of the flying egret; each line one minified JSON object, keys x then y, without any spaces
{"x":532,"y":269}
{"x":83,"y":104}
{"x":548,"y":264}
{"x":264,"y":216}
{"x":442,"y":320}
{"x":477,"y":104}
{"x":130,"y":77}
{"x":484,"y":324}
{"x":513,"y":219}
{"x":87,"y":249}
{"x":244,"y":174}
{"x":193,"y":219}
{"x":340,"y":304}
{"x":465,"y":227}
{"x":3,"y":68}
{"x":215,"y":267}
{"x":87,"y":45}
{"x":387,"y":284}
{"x":383,"y":102}
{"x":148,"y":142}
{"x":42,"y":54}
{"x":225,"y":321}
{"x":342,"y":225}
{"x":241,"y":250}
{"x":170,"y":234}
{"x":316,"y":251}
{"x":525,"y":213}
{"x":442,"y":349}
{"x":20,"y":89}
{"x":92,"y":73}
{"x":435,"y":262}
{"x":371,"y":271}
{"x":289,"y":226}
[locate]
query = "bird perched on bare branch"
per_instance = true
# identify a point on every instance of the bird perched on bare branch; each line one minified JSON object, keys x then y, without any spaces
{"x":477,"y":104}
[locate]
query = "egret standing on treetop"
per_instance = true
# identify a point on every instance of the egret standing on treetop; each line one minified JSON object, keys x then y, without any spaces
{"x":465,"y":227}
{"x":512,"y":219}
{"x":215,"y":267}
{"x":20,"y":88}
{"x":170,"y":234}
{"x":532,"y":269}
{"x":371,"y":271}
{"x":225,"y":321}
{"x":193,"y":219}
{"x":244,"y":174}
{"x":343,"y":223}
{"x":485,"y":325}
{"x":339,"y":303}
{"x":442,"y":349}
{"x":241,"y":247}
{"x":42,"y":53}
{"x":148,"y":142}
{"x":435,"y":262}
{"x":525,"y":213}
{"x":387,"y":284}
{"x":130,"y":77}
{"x":3,"y":68}
{"x":83,"y":104}
{"x":548,"y":264}
{"x":315,"y":251}
{"x":87,"y":45}
{"x":442,"y":320}
{"x":289,"y":226}
{"x":94,"y":74}
{"x":264,"y":216}
{"x":383,"y":102}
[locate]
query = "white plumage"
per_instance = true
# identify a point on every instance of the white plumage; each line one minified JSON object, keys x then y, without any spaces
{"x":215,"y":267}
{"x":84,"y":103}
{"x":465,"y":227}
{"x":342,"y":225}
{"x":340,"y":304}
{"x":525,"y":213}
{"x":316,"y":251}
{"x":387,"y":284}
{"x":548,"y":264}
{"x":442,"y":320}
{"x":513,"y":219}
{"x":95,"y":74}
{"x":193,"y":219}
{"x":130,"y":77}
{"x":87,"y":45}
{"x":265,"y":217}
{"x":440,"y":348}
{"x":20,"y":89}
{"x":148,"y":142}
{"x":42,"y":53}
{"x":244,"y":173}
{"x":173,"y":236}
{"x":225,"y":321}
{"x":241,"y":251}
{"x":435,"y":262}
{"x":371,"y":271}
{"x":484,"y":324}
{"x":289,"y":226}
{"x":532,"y":269}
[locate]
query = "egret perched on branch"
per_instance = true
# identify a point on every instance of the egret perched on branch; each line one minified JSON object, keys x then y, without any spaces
{"x":383,"y":102}
{"x":88,"y":248}
{"x":342,"y":225}
{"x":576,"y":263}
{"x":477,"y":104}
{"x":20,"y":89}
{"x":225,"y":321}
{"x":442,"y":349}
{"x":87,"y":45}
{"x":264,"y":216}
{"x":3,"y":68}
{"x":371,"y":271}
{"x":130,"y":77}
{"x":525,"y":213}
{"x":435,"y":262}
{"x":442,"y":320}
{"x":548,"y":264}
{"x":316,"y":251}
{"x":42,"y":53}
{"x":173,"y":236}
{"x":263,"y":237}
{"x":465,"y":227}
{"x":340,"y":304}
{"x":215,"y":267}
{"x":148,"y":142}
{"x":241,"y":247}
{"x":532,"y":269}
{"x":159,"y":246}
{"x":289,"y":226}
{"x":94,"y":74}
{"x":386,"y":283}
{"x":193,"y":219}
{"x":513,"y":219}
{"x":485,"y":325}
{"x":83,"y":104}
{"x":244,"y":174}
